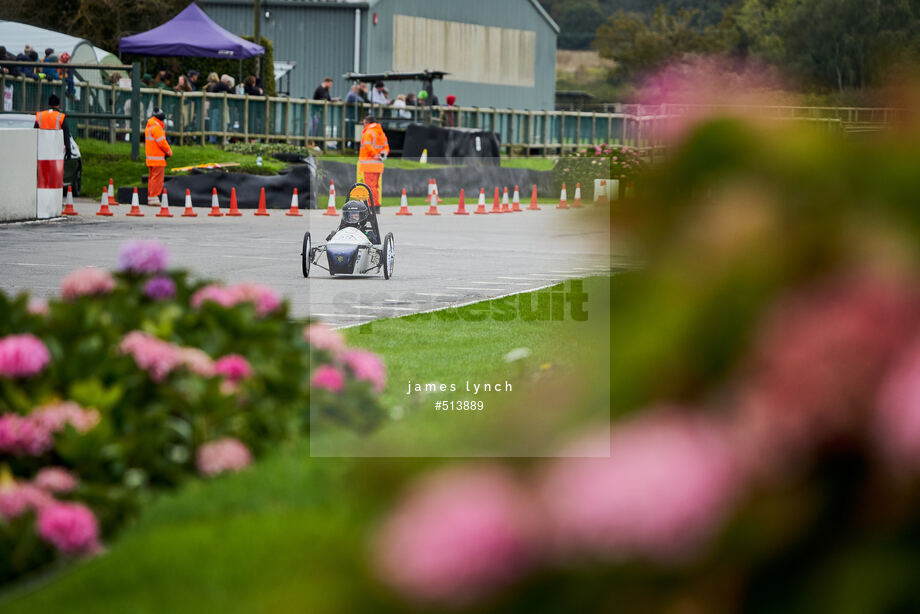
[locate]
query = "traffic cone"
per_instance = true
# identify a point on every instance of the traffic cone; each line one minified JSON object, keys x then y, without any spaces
{"x":403,"y":204}
{"x":164,"y":207}
{"x":330,"y":210}
{"x":577,"y":201}
{"x":430,"y":189}
{"x":111,"y":194}
{"x":505,"y":207}
{"x":189,"y":212}
{"x":104,"y":203}
{"x":496,"y":207}
{"x":295,"y":209}
{"x":438,"y":196}
{"x":481,"y":208}
{"x":602,"y":197}
{"x":68,"y":205}
{"x":533,"y":199}
{"x":234,"y":208}
{"x":563,"y":204}
{"x":516,"y":201}
{"x":424,"y":158}
{"x":261,"y":210}
{"x":215,"y":205}
{"x":135,"y":206}
{"x":433,"y":205}
{"x":461,"y":208}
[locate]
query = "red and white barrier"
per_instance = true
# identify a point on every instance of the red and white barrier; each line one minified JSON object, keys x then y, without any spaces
{"x":49,"y":191}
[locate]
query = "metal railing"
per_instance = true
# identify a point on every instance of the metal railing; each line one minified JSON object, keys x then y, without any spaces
{"x":201,"y":117}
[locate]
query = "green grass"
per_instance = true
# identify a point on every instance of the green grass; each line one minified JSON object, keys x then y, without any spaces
{"x":291,"y":534}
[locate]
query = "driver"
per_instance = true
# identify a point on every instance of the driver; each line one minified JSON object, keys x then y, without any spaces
{"x":355,"y":214}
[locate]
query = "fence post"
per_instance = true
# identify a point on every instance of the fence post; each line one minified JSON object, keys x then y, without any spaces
{"x":246,"y":119}
{"x":204,"y":111}
{"x":135,"y":109}
{"x":325,"y":123}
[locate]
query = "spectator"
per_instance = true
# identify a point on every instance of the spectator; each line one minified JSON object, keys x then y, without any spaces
{"x":53,"y":119}
{"x":114,"y":78}
{"x":450,"y":114}
{"x":400,"y":103}
{"x":250,"y":88}
{"x":162,"y":80}
{"x":147,"y":80}
{"x":50,"y":58}
{"x":26,"y":56}
{"x":323,"y":90}
{"x":228,"y":82}
{"x":182,"y":85}
{"x":410,"y":100}
{"x":67,"y":76}
{"x":192,"y":76}
{"x":213,"y":83}
{"x":362,"y":92}
{"x":353,"y":95}
{"x":8,"y":70}
{"x":377,"y":95}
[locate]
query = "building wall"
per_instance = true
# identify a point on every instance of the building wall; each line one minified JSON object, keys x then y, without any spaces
{"x":319,"y":38}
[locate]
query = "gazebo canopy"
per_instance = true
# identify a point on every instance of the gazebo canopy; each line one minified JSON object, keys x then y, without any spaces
{"x":190,"y":33}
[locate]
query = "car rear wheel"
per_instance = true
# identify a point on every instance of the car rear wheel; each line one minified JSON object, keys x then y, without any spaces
{"x":389,"y":255}
{"x":305,"y":254}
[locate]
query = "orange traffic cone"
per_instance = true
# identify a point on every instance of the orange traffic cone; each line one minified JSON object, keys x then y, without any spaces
{"x":433,"y":205}
{"x":68,"y":205}
{"x":104,"y":203}
{"x":261,"y":210}
{"x":533,"y":199}
{"x":189,"y":212}
{"x":481,"y":208}
{"x":135,"y":206}
{"x":330,"y":209}
{"x":505,"y":207}
{"x":436,"y":195}
{"x":563,"y":203}
{"x":403,"y":204}
{"x":215,"y":205}
{"x":496,"y":208}
{"x":516,"y":201}
{"x":577,"y":201}
{"x":430,"y":189}
{"x":602,"y":197}
{"x":461,"y":208}
{"x":111,"y":194}
{"x":164,"y":207}
{"x":295,"y":209}
{"x":234,"y":208}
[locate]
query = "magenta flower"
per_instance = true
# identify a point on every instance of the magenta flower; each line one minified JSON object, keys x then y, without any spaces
{"x":327,"y":377}
{"x":16,"y":499}
{"x":160,"y":288}
{"x":367,"y":366}
{"x":69,"y":527}
{"x":142,"y":257}
{"x":323,"y":337}
{"x":55,"y":480}
{"x":234,"y":367}
{"x":22,"y":356}
{"x":896,"y":420}
{"x":24,"y":436}
{"x":89,"y":281}
{"x":222,"y":456}
{"x":666,"y":488}
{"x":459,"y":535}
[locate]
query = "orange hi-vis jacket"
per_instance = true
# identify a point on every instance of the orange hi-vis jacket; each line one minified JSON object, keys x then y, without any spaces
{"x":155,"y":145}
{"x":373,"y":143}
{"x":49,"y":120}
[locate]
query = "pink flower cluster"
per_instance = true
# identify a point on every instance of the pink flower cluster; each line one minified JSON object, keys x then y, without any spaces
{"x":142,"y":257}
{"x":459,"y":535}
{"x":262,"y":297}
{"x":22,"y":356}
{"x":364,"y":365}
{"x":32,"y":435}
{"x":233,"y":367}
{"x":328,"y":377}
{"x":16,"y":499}
{"x":70,"y":527}
{"x":325,"y":338}
{"x":55,"y":480}
{"x":368,"y":367}
{"x":222,"y":456}
{"x":159,"y":358}
{"x":86,"y":282}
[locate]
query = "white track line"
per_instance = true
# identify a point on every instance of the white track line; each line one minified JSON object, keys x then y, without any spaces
{"x":433,"y":294}
{"x":338,"y":315}
{"x":380,"y":307}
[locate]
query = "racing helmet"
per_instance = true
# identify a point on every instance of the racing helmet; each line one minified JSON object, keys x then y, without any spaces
{"x":355,"y":212}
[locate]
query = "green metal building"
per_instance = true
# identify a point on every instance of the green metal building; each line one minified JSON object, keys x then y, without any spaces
{"x":499,"y":53}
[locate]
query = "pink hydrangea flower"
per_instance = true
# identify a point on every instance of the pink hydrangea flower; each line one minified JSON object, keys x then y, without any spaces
{"x":896,"y":419}
{"x":667,"y":486}
{"x":221,"y":456}
{"x":367,"y":366}
{"x":327,"y":377}
{"x":24,"y":436}
{"x":197,"y":361}
{"x":142,"y":257}
{"x":22,"y":356}
{"x":55,"y":480}
{"x":234,"y":367}
{"x":153,"y":355}
{"x":38,"y":307}
{"x":461,"y":534}
{"x":16,"y":499}
{"x":56,"y":416}
{"x":323,"y":337}
{"x":262,"y":297}
{"x":69,"y":527}
{"x":214,"y":293}
{"x":86,"y":282}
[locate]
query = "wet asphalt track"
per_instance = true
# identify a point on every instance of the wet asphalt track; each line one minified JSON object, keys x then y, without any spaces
{"x":440,"y":261}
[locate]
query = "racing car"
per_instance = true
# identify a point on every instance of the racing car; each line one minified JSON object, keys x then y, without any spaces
{"x":354,"y":248}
